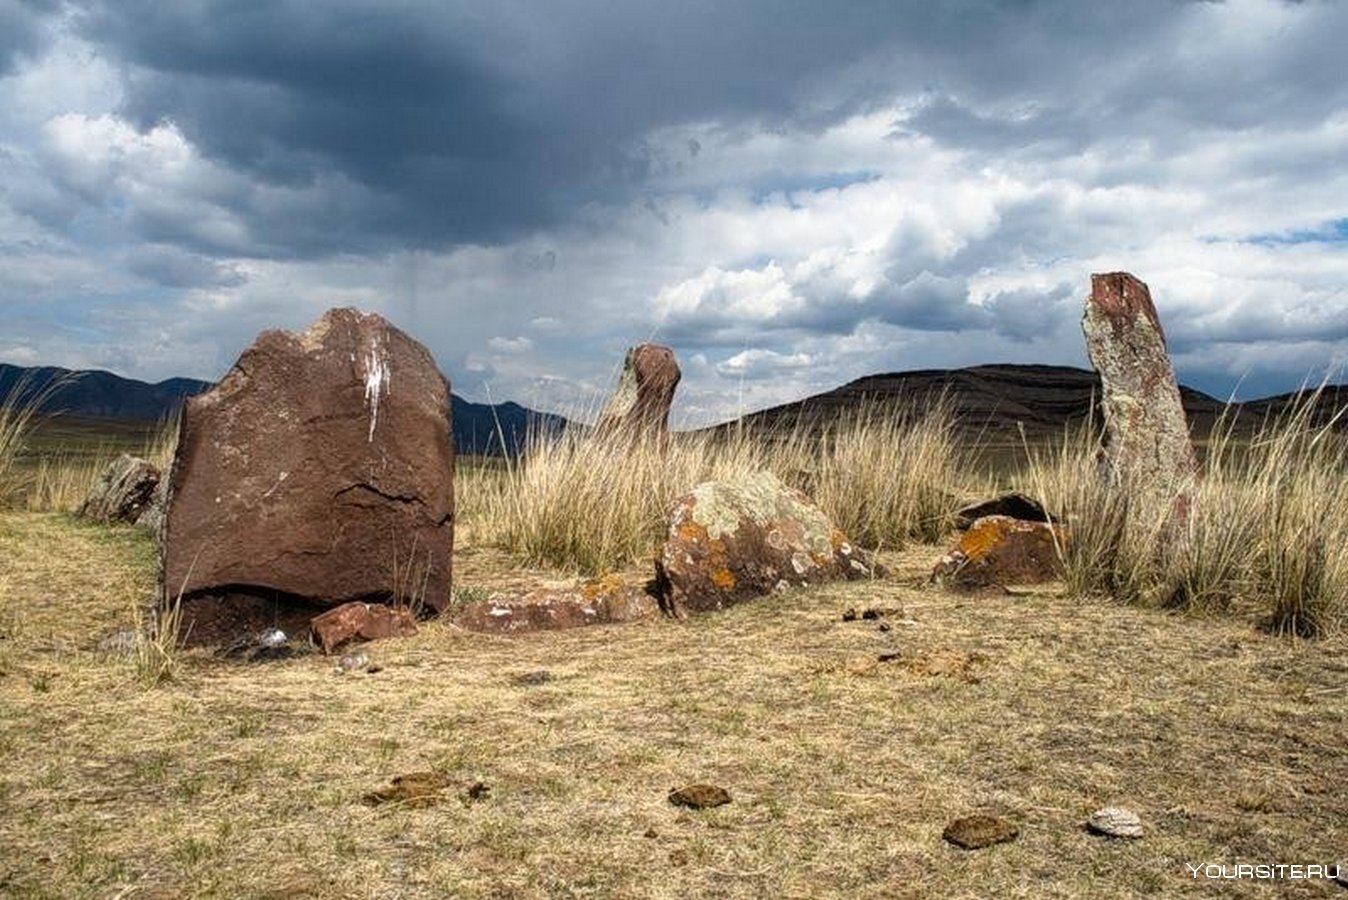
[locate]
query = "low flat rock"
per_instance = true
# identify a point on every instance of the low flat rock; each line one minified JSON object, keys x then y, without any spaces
{"x":1116,"y":821}
{"x":599,"y":601}
{"x":731,"y":541}
{"x":360,"y":621}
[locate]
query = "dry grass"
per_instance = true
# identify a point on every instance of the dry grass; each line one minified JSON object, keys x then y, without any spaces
{"x":1270,"y":533}
{"x":237,"y":780}
{"x":596,"y":502}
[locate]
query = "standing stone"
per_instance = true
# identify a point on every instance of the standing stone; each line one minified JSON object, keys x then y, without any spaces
{"x":123,"y":492}
{"x":731,"y":541}
{"x":317,"y":472}
{"x":1146,"y":446}
{"x":640,"y":405}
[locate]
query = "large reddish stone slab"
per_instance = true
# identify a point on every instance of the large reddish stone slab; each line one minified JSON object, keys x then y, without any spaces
{"x":599,"y":601}
{"x":1000,"y":550}
{"x":640,"y":405}
{"x":731,"y":541}
{"x":1146,"y":443}
{"x":319,"y":470}
{"x":360,"y":621}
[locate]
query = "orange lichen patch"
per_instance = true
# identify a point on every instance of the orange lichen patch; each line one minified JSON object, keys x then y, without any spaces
{"x":603,"y":586}
{"x":723,"y":578}
{"x":691,"y":532}
{"x":1002,"y":550}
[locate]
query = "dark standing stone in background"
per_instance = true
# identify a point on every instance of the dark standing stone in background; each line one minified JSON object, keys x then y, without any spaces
{"x":645,"y":393}
{"x":1013,"y":504}
{"x":1147,"y":446}
{"x":317,"y":472}
{"x":123,"y":492}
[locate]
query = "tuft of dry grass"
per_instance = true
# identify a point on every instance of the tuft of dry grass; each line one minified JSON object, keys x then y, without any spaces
{"x":593,"y":501}
{"x":1269,"y":533}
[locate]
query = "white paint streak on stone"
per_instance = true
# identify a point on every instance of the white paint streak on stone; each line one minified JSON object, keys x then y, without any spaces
{"x":376,"y":383}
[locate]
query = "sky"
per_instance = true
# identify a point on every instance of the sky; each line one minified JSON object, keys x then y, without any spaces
{"x":791,"y":194}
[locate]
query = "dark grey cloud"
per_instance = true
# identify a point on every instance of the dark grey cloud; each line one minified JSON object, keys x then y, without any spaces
{"x":23,"y":29}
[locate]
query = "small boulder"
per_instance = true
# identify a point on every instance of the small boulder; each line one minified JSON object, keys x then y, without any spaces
{"x":1000,"y":550}
{"x":123,"y":492}
{"x":979,"y":831}
{"x":699,"y":796}
{"x":731,"y":541}
{"x":1013,"y":504}
{"x":360,"y":621}
{"x":598,"y":601}
{"x":1115,"y":821}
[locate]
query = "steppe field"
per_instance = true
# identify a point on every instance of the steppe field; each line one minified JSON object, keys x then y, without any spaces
{"x":1207,"y":691}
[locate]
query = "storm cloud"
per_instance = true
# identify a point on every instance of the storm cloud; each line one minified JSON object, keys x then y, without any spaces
{"x":791,"y":195}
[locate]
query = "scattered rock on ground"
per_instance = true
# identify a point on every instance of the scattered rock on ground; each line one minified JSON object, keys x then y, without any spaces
{"x":699,"y":796}
{"x":978,"y":831}
{"x":360,"y":621}
{"x":640,"y":405}
{"x":353,"y":662}
{"x":1013,"y":504}
{"x":318,"y":471}
{"x":122,"y":642}
{"x":418,"y":790}
{"x":268,"y":645}
{"x":731,"y":541}
{"x":1146,"y":447}
{"x":533,"y":679}
{"x":999,"y":550}
{"x":123,"y":492}
{"x":610,"y":599}
{"x":1115,"y":821}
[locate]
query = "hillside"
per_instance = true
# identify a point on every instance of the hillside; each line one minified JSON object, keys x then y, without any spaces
{"x":990,"y":400}
{"x":93,"y":399}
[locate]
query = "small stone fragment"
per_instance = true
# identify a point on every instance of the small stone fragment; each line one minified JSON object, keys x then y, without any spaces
{"x":1115,"y":821}
{"x":476,"y":791}
{"x":532,"y":679}
{"x":978,"y":831}
{"x":699,"y":796}
{"x":353,"y":662}
{"x":849,"y":615}
{"x":888,"y":657}
{"x":360,"y":621}
{"x":122,"y":642}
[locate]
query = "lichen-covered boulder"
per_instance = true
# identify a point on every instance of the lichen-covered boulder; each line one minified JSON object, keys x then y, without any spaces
{"x":597,"y":601}
{"x":319,"y":471}
{"x":640,"y":405}
{"x":1146,"y":446}
{"x":1000,"y":550}
{"x":731,"y":541}
{"x":123,"y":492}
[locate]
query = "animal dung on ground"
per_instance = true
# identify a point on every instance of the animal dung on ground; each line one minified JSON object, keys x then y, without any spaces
{"x":978,"y":831}
{"x":1115,"y":821}
{"x":418,"y":790}
{"x":699,"y":796}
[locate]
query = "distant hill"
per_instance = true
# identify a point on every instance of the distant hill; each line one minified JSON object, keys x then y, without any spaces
{"x":991,"y":400}
{"x":94,"y":395}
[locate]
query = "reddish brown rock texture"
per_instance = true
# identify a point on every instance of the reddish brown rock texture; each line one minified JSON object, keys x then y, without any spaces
{"x":360,"y":621}
{"x":1000,"y":551}
{"x":735,"y":540}
{"x":640,"y":405}
{"x":1147,"y":446}
{"x":319,"y":469}
{"x":599,"y":601}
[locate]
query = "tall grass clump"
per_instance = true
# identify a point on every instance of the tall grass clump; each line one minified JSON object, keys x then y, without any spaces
{"x":1267,"y":534}
{"x":19,"y":410}
{"x":598,"y":500}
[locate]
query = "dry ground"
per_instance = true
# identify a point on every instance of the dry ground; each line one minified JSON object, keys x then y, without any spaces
{"x":246,"y":780}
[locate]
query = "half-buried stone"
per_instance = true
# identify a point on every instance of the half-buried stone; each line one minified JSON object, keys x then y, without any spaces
{"x":734,"y":540}
{"x":319,"y":471}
